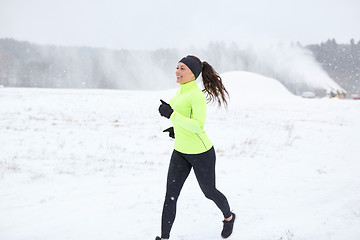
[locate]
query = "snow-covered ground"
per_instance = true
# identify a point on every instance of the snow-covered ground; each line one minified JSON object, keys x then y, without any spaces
{"x":92,"y":164}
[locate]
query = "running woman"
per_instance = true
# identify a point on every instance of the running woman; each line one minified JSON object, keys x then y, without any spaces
{"x":193,"y":148}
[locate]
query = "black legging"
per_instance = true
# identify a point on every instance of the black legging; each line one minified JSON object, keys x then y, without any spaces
{"x":179,"y":169}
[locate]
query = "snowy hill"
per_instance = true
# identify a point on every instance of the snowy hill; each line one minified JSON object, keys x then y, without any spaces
{"x":251,"y":87}
{"x":92,"y":164}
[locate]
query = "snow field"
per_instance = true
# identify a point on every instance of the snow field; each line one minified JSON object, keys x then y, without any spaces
{"x":92,"y":164}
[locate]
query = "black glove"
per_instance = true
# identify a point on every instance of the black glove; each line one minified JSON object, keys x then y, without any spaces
{"x":171,"y":132}
{"x":165,"y":109}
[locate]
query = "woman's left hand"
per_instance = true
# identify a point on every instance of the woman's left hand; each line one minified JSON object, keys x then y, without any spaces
{"x":171,"y":132}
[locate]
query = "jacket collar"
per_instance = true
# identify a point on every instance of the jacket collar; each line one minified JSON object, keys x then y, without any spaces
{"x":189,"y":85}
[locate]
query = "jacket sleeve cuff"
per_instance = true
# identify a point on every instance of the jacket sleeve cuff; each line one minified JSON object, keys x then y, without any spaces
{"x":172,"y":115}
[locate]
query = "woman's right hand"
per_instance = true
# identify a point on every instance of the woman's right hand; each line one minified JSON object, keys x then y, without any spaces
{"x":165,"y":109}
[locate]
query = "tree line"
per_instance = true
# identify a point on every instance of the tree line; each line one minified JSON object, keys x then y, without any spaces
{"x":341,"y":62}
{"x":25,"y":64}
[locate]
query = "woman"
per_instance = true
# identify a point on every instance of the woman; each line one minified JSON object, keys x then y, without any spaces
{"x":193,"y":149}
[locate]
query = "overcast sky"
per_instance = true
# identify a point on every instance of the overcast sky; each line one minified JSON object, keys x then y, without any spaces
{"x":152,"y":24}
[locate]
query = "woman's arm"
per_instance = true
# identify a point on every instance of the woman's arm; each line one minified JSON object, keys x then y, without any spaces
{"x":194,"y":123}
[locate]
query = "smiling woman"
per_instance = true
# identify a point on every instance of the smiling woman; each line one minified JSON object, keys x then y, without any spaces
{"x":193,"y":149}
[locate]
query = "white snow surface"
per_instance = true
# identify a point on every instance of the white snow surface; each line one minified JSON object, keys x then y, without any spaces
{"x":92,"y":164}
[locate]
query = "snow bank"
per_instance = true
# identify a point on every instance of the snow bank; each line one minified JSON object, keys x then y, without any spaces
{"x":255,"y":88}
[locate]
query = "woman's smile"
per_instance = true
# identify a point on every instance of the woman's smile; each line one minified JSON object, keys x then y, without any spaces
{"x":183,"y":74}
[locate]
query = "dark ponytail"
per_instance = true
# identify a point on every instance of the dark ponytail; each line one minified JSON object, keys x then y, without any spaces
{"x":214,"y":88}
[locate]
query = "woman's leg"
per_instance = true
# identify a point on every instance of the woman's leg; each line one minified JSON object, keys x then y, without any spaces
{"x":179,"y":170}
{"x":204,"y":168}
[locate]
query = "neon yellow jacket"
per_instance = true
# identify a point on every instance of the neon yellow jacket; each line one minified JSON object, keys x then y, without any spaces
{"x":188,"y":118}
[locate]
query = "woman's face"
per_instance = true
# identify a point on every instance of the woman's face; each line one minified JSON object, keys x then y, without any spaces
{"x":183,"y":74}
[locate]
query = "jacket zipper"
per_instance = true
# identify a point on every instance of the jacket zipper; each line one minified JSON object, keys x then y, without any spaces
{"x":198,"y":134}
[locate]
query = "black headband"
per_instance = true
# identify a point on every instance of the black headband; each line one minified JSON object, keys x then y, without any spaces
{"x":194,"y":65}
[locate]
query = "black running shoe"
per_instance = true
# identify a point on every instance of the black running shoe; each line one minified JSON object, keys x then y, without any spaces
{"x":157,"y":238}
{"x":228,"y":227}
